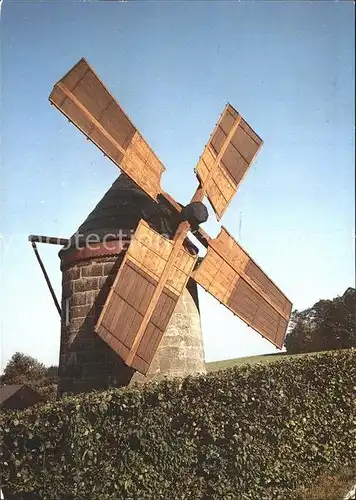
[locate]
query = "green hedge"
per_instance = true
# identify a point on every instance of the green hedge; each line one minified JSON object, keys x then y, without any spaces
{"x":245,"y":433}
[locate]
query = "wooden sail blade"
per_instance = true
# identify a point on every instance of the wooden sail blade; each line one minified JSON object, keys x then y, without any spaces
{"x":226,"y":158}
{"x":132,"y":291}
{"x":85,"y":101}
{"x":231,"y":276}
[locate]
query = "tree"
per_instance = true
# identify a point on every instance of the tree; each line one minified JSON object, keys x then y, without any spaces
{"x":23,"y":369}
{"x":52,"y":373}
{"x":329,"y":324}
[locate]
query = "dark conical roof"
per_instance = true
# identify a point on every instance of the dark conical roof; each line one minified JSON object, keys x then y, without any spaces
{"x":121,"y":209}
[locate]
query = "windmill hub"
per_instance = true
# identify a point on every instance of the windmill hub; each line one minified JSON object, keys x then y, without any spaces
{"x":195,"y":213}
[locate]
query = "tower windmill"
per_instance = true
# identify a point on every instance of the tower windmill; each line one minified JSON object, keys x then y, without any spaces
{"x":155,"y":268}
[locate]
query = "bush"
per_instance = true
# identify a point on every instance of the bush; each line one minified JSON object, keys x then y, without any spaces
{"x":327,"y":325}
{"x":253,"y":432}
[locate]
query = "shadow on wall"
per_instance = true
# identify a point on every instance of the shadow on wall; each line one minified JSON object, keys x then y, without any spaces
{"x":88,"y":363}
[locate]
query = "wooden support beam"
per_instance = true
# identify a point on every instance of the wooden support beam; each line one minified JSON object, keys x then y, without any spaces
{"x":43,"y":269}
{"x":35,"y":238}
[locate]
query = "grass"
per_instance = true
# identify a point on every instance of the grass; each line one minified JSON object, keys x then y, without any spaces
{"x":264,"y":358}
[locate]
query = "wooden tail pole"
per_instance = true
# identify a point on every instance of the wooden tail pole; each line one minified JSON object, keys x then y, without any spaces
{"x":56,"y":303}
{"x":35,"y":238}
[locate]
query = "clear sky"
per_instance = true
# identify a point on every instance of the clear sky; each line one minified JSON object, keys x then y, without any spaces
{"x":286,"y":66}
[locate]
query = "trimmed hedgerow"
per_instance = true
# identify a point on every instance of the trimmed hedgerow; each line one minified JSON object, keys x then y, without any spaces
{"x":252,"y":432}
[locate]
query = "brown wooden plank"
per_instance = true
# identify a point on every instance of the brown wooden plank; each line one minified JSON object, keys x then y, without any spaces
{"x":110,"y":149}
{"x":73,"y":77}
{"x":258,"y":276}
{"x":83,"y":99}
{"x":157,"y":316}
{"x":218,"y":140}
{"x":137,"y":294}
{"x":92,"y":95}
{"x":129,"y":326}
{"x":127,"y":281}
{"x":115,"y":310}
{"x":126,"y":320}
{"x":228,"y":119}
{"x":146,"y":298}
{"x":163,"y":310}
{"x":244,"y":301}
{"x":167,"y":311}
{"x":145,"y":258}
{"x":282,"y":328}
{"x":120,"y":307}
{"x":150,"y":250}
{"x":180,"y":271}
{"x":230,"y":275}
{"x":69,"y":108}
{"x":178,"y":240}
{"x":246,"y":127}
{"x":131,"y":333}
{"x":140,"y":271}
{"x":139,"y":364}
{"x":224,"y":183}
{"x":153,"y":344}
{"x":228,"y":249}
{"x":126,"y":316}
{"x":244,"y":145}
{"x":117,"y":124}
{"x":234,"y":163}
{"x":148,"y":338}
{"x":226,"y":158}
{"x":267,"y":319}
{"x":209,"y":268}
{"x":157,"y":243}
{"x":123,"y":311}
{"x":150,"y":343}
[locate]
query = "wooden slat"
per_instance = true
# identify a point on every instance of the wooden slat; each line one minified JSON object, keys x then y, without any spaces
{"x":226,"y":158}
{"x":155,"y":328}
{"x":180,"y":272}
{"x":129,"y":300}
{"x":125,"y":307}
{"x":175,"y":284}
{"x":230,"y":275}
{"x":149,"y":250}
{"x":84,"y":100}
{"x":164,"y":309}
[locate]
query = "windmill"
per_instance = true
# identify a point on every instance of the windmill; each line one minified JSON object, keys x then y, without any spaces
{"x":155,"y":268}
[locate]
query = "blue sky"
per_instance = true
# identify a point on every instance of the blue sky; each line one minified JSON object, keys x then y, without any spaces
{"x":286,"y":66}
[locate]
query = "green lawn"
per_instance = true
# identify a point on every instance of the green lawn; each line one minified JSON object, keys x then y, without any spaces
{"x":264,"y":358}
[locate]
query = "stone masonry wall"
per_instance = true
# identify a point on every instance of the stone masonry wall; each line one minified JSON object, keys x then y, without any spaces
{"x":87,"y":362}
{"x":181,"y":350}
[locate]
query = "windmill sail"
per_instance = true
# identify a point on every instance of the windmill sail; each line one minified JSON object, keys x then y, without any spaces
{"x":86,"y":102}
{"x":226,"y":158}
{"x":232,"y":277}
{"x":132,"y":292}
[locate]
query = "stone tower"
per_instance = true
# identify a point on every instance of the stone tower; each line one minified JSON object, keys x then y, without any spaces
{"x":89,"y":266}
